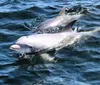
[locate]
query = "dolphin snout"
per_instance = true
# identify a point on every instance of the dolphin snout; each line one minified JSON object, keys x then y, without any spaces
{"x":14,"y":47}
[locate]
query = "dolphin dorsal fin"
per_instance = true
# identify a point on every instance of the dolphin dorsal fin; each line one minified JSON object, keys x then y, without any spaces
{"x":62,"y":12}
{"x":68,"y":27}
{"x":76,"y":29}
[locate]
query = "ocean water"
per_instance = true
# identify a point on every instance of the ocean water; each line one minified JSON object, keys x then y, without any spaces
{"x":80,"y":63}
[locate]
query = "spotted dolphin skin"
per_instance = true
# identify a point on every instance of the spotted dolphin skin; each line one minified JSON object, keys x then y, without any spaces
{"x":60,"y":23}
{"x":39,"y":43}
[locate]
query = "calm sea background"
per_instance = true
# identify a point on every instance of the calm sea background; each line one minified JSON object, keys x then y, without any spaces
{"x":81,"y":65}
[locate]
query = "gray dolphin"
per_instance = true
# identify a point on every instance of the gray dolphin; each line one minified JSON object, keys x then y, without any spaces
{"x":60,"y":23}
{"x":41,"y":43}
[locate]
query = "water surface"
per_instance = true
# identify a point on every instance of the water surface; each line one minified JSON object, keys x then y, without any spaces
{"x":81,"y":65}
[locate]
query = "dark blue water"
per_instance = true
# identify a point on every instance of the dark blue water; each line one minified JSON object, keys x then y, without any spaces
{"x":81,"y":64}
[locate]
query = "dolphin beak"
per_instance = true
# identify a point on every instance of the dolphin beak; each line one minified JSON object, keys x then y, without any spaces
{"x":14,"y":47}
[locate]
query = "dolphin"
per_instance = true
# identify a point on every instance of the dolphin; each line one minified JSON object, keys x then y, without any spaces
{"x":42,"y":43}
{"x":57,"y":24}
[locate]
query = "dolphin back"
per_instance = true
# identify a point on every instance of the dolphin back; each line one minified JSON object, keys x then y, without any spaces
{"x":58,"y":24}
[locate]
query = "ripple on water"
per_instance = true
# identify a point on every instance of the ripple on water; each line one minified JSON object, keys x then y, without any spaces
{"x":81,"y":62}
